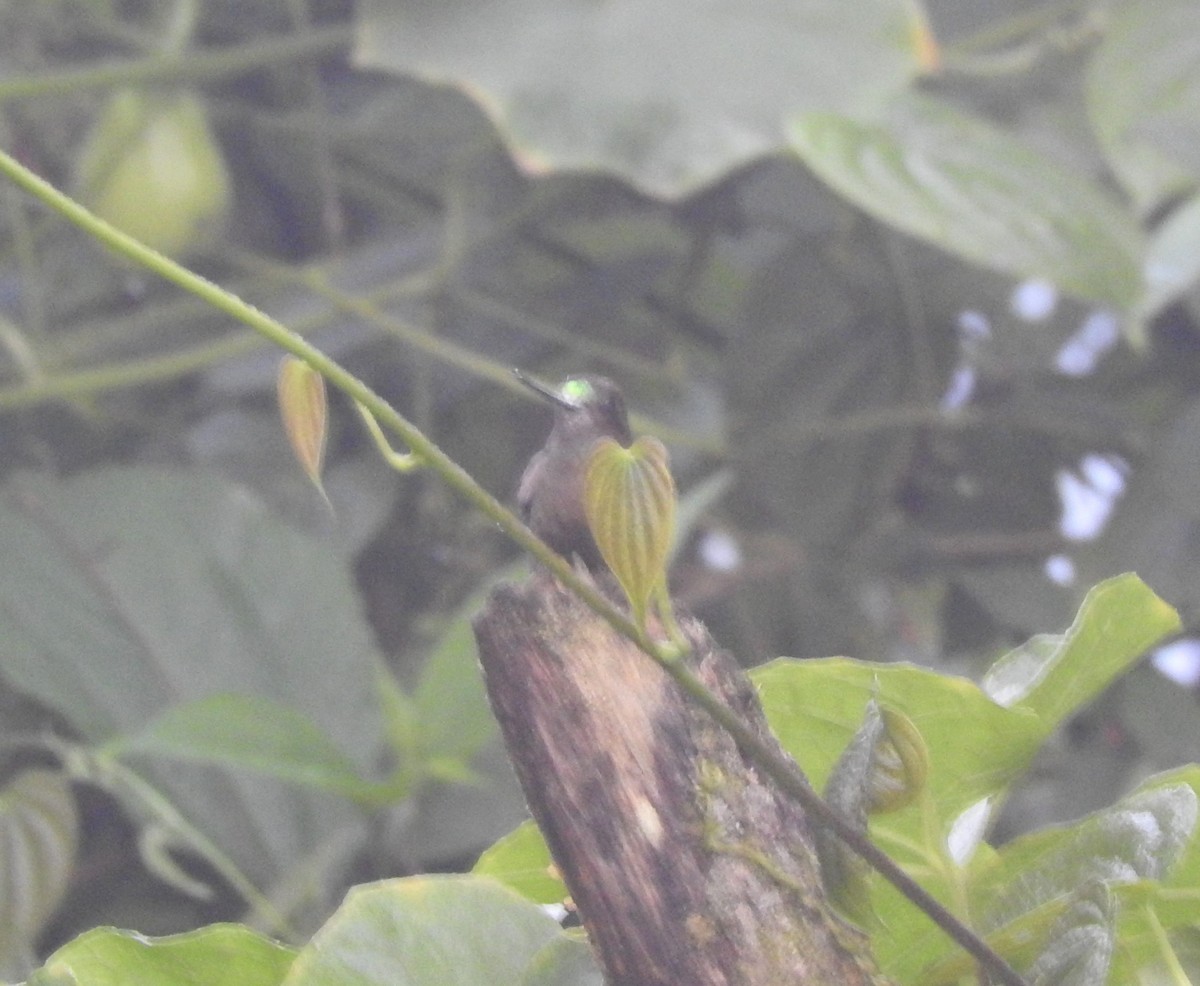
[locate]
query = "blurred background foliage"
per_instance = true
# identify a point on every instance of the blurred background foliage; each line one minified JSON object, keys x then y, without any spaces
{"x":910,"y":292}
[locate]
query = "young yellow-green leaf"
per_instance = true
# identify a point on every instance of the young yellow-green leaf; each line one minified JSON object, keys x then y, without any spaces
{"x":305,"y":415}
{"x":629,"y":497}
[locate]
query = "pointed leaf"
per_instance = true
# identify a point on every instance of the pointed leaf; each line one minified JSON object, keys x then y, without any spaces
{"x":958,"y":183}
{"x":629,"y":497}
{"x":1051,"y":676}
{"x":522,"y":861}
{"x":302,"y":403}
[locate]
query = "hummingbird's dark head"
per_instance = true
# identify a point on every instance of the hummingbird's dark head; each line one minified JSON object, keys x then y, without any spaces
{"x":586,"y":406}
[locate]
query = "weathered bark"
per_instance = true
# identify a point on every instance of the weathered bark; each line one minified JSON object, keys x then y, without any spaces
{"x":686,"y":865}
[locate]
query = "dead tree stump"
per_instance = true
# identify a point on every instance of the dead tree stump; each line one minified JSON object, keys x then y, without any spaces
{"x":686,"y":865}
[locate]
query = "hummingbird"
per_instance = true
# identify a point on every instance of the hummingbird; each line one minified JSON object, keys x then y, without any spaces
{"x":586,"y":409}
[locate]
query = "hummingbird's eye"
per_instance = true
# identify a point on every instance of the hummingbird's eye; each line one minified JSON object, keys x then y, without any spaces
{"x":577,"y":392}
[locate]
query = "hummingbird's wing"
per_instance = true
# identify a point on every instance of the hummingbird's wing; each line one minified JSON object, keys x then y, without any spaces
{"x":529,"y":480}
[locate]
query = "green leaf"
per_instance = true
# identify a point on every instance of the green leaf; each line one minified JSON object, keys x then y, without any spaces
{"x":629,"y":497}
{"x":1143,"y":849}
{"x":975,"y":191}
{"x":1143,"y":97}
{"x":668,"y":94}
{"x":1054,"y":675}
{"x":454,"y":720}
{"x":39,"y":832}
{"x":139,"y":590}
{"x":1172,"y":258}
{"x":815,"y":707}
{"x":254,"y":733}
{"x":219,"y":955}
{"x":1139,"y":838}
{"x":439,"y":931}
{"x":521,"y":860}
{"x":567,"y":961}
{"x":976,"y":751}
{"x":1081,"y":945}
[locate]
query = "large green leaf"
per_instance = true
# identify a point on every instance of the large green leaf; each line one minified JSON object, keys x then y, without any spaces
{"x":976,"y":747}
{"x":971,"y":189}
{"x":1139,"y":838}
{"x":425,"y":931}
{"x":132,"y":591}
{"x":669,"y":94}
{"x":39,"y":830}
{"x":1143,"y":850}
{"x":219,"y":955}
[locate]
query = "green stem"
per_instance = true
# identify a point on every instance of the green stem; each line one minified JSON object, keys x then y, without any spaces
{"x":1178,"y":975}
{"x":112,"y":775}
{"x":780,"y":768}
{"x":199,"y":64}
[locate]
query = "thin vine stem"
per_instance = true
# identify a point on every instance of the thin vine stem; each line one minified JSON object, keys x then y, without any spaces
{"x":202,"y":63}
{"x":781,"y":769}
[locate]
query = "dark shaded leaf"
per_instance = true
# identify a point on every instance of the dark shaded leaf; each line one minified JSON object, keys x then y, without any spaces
{"x":137,"y":590}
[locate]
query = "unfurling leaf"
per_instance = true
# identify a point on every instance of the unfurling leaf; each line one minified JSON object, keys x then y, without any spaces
{"x":1081,"y":943}
{"x":305,"y":415}
{"x":899,"y":764}
{"x":629,"y":497}
{"x":883,"y":768}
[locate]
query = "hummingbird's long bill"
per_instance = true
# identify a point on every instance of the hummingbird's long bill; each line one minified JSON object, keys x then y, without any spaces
{"x":539,"y":388}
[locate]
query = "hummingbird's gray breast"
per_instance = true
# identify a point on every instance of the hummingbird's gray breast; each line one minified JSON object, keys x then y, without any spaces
{"x":550,"y":497}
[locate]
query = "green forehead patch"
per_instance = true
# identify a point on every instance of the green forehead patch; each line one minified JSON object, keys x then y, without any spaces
{"x":577,"y":391}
